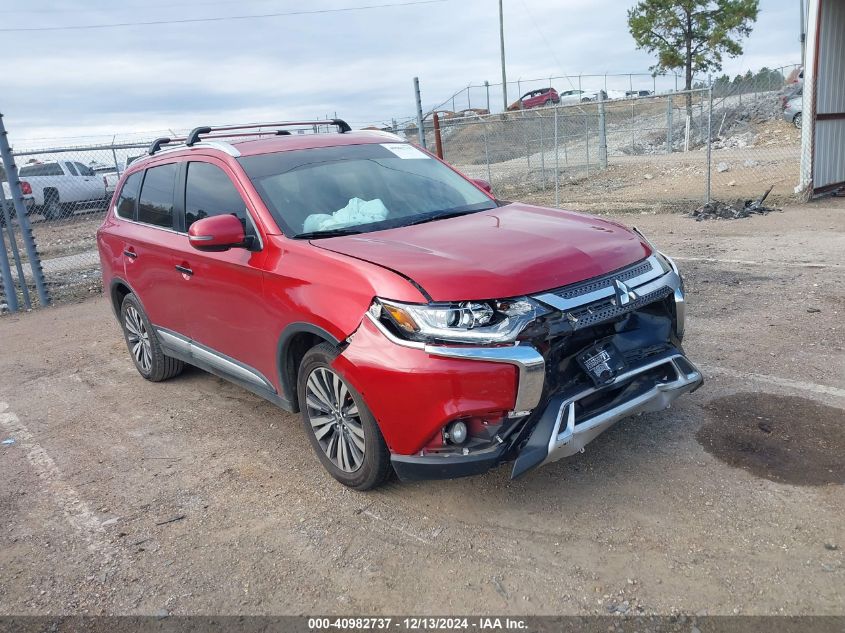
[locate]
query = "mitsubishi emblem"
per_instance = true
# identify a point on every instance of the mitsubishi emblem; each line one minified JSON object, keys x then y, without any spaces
{"x":623,"y":293}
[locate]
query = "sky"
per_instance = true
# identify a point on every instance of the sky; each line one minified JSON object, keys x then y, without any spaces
{"x":70,"y":87}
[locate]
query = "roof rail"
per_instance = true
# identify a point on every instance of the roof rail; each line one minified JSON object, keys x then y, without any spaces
{"x":164,"y":140}
{"x":194,"y":136}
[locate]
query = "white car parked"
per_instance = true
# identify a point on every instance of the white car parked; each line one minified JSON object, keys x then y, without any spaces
{"x":58,"y":187}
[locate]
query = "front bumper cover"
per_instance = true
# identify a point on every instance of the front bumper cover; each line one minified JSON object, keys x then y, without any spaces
{"x":559,"y":431}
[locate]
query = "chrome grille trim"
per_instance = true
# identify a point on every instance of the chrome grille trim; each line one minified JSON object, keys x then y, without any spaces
{"x":595,"y":301}
{"x":593,"y":290}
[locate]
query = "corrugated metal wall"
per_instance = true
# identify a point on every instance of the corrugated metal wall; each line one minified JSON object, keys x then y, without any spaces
{"x":829,"y":145}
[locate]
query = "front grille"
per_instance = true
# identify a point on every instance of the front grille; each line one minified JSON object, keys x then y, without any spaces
{"x":605,"y":281}
{"x":606,"y":309}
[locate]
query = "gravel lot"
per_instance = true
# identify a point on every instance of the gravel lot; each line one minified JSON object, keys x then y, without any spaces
{"x":195,"y":497}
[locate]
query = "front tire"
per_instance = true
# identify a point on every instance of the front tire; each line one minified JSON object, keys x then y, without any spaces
{"x":796,"y":120}
{"x":150,"y":360}
{"x":338,"y":423}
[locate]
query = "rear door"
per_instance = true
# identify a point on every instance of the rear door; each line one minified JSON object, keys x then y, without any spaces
{"x":224,"y":291}
{"x":94,"y":185}
{"x":151,"y":245}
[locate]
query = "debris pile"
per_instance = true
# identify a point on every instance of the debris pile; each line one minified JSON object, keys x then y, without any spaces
{"x":716,"y":210}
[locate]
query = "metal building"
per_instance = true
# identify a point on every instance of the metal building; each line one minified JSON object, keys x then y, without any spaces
{"x":823,"y":131}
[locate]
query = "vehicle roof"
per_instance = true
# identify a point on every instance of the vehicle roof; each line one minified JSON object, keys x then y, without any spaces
{"x":272,"y":144}
{"x":309,"y":141}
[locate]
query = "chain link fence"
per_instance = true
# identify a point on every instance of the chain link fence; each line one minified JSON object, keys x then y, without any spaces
{"x":648,"y":153}
{"x":66,"y":192}
{"x":638,"y":154}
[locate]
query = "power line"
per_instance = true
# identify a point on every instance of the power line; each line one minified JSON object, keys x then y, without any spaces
{"x":79,"y":27}
{"x":124,"y":7}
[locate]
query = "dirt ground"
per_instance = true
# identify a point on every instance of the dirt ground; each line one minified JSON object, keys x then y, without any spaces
{"x":193,"y":496}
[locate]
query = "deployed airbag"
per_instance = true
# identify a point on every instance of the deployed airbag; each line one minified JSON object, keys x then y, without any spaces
{"x":356,"y":212}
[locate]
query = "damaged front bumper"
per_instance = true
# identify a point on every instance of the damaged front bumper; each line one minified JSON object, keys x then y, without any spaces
{"x":565,"y":424}
{"x":641,"y":311}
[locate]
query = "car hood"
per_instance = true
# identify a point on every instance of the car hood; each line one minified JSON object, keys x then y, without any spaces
{"x":509,"y":251}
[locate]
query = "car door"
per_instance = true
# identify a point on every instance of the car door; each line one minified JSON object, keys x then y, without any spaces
{"x":70,"y":186}
{"x":228,"y":320}
{"x":94,"y":185}
{"x":151,"y":243}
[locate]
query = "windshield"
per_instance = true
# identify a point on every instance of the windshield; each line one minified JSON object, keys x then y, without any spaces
{"x":358,"y":188}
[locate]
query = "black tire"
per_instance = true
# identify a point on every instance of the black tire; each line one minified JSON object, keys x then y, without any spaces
{"x":375,"y":467}
{"x":152,"y":363}
{"x":52,"y":209}
{"x":797,"y":120}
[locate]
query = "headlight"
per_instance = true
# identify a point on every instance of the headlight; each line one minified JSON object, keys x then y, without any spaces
{"x":464,"y":322}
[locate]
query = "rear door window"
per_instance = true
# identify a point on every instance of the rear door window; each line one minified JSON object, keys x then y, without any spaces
{"x":45,"y":169}
{"x":155,"y":205}
{"x":71,"y":169}
{"x":128,"y":199}
{"x":84,"y":170}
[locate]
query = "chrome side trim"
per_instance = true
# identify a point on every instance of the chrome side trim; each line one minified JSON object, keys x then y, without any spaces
{"x":573,"y":438}
{"x":215,"y":359}
{"x":529,"y":363}
{"x":565,"y":305}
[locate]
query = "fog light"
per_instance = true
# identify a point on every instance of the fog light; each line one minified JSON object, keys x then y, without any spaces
{"x":456,"y":432}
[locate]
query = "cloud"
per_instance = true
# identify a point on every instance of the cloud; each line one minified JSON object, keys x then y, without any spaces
{"x":132,"y":80}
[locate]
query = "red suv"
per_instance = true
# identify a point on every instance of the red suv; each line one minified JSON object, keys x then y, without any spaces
{"x":417,"y":323}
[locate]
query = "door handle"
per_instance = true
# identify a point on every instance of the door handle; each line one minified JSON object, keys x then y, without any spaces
{"x":185,"y":270}
{"x":130,"y":254}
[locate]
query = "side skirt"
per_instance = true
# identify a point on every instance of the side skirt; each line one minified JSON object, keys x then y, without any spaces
{"x":220,"y":365}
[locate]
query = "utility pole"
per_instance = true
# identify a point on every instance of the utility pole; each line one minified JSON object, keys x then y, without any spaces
{"x":502,"y":42}
{"x":803,"y":35}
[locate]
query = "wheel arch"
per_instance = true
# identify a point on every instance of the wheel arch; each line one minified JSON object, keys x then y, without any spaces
{"x":296,"y":339}
{"x":118,"y":289}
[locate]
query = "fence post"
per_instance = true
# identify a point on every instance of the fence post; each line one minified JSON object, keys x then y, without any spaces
{"x":587,"y":140}
{"x":669,"y":106}
{"x":420,"y":129}
{"x":5,"y":271}
{"x":557,"y":165}
{"x":23,"y":220}
{"x":709,"y":145}
{"x":542,"y":153}
{"x":469,"y":104}
{"x":16,"y":256}
{"x":603,"y":136}
{"x":487,"y":88}
{"x":486,"y":151}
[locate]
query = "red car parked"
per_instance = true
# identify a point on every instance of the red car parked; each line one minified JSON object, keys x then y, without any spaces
{"x":418,"y":323}
{"x":536,"y":99}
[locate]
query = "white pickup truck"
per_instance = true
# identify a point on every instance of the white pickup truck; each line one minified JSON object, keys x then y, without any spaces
{"x":59,"y":187}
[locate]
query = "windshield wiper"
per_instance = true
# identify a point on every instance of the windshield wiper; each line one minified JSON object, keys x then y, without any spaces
{"x":442,"y":215}
{"x":313,"y":235}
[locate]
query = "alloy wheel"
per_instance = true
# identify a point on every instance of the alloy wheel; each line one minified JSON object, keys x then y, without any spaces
{"x":138,"y":339}
{"x":335,"y":419}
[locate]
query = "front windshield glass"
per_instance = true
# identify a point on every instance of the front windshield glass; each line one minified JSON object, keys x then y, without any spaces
{"x":358,"y":188}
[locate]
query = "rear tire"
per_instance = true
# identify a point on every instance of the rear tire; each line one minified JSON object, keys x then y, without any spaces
{"x":338,"y":423}
{"x":52,"y":209}
{"x":797,"y":120}
{"x":150,"y":360}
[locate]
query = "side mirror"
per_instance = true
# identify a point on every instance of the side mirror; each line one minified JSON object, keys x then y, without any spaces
{"x":217,"y":233}
{"x":483,"y":184}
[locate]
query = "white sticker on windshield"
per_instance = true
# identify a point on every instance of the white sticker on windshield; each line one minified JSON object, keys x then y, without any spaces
{"x":404,"y":150}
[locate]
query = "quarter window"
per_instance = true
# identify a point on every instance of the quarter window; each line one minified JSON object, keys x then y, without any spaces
{"x":208,"y":192}
{"x":155,"y":205}
{"x":128,"y":198}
